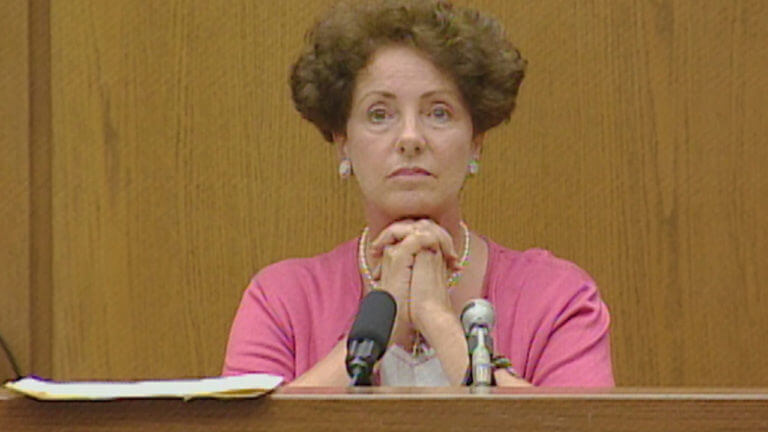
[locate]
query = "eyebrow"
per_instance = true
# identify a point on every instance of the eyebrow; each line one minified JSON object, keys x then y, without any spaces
{"x":382,"y":93}
{"x":389,"y":95}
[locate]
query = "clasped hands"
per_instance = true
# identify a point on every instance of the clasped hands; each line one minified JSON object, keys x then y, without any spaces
{"x":412,"y":260}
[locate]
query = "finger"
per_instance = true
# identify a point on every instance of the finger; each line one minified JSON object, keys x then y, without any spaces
{"x":391,"y":235}
{"x":423,"y":243}
{"x":397,"y":263}
{"x":431,"y":235}
{"x":428,"y":284}
{"x":445,"y":242}
{"x":428,"y":270}
{"x":443,"y":236}
{"x":406,"y":250}
{"x":412,"y":244}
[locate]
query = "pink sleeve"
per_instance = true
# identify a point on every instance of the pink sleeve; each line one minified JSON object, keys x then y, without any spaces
{"x":577,"y":352}
{"x":257,"y":341}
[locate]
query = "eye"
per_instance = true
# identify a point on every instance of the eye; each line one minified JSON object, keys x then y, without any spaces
{"x":440,"y":113}
{"x":377,"y":115}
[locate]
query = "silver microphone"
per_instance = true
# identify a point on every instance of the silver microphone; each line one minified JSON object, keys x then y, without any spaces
{"x":477,"y":319}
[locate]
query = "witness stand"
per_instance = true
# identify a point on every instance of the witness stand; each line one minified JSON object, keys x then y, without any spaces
{"x":407,"y":409}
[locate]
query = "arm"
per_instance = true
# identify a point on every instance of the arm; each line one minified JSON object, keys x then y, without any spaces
{"x":331,"y":371}
{"x":261,"y":340}
{"x":505,"y":379}
{"x":431,"y":310}
{"x":447,"y":337}
{"x":258,"y":342}
{"x":577,"y":352}
{"x":422,"y":252}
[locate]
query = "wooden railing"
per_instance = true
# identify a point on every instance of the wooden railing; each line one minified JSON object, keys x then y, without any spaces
{"x":405,"y":409}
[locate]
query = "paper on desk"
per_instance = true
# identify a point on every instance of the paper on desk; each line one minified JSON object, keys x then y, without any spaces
{"x":241,"y":386}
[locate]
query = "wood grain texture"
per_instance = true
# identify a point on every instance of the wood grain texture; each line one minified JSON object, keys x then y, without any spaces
{"x":14,"y":185}
{"x":180,"y":168}
{"x":40,"y":200}
{"x":636,"y":152}
{"x":178,"y":173}
{"x":417,"y":410}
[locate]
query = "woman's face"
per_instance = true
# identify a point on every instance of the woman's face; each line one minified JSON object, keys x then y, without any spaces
{"x":409,"y":136}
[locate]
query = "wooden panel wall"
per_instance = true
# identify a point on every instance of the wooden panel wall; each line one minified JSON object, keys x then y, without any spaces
{"x":179,"y":168}
{"x":637,"y":152}
{"x":14,"y":185}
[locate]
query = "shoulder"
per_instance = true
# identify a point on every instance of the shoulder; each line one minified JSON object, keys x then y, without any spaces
{"x":305,"y":275}
{"x":536,"y":277}
{"x":550,"y":318}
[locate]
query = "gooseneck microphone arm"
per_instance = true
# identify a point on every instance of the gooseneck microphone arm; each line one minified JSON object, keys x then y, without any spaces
{"x":480,"y":352}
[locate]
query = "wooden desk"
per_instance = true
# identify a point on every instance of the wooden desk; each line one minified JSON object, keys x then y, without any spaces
{"x":404,"y":409}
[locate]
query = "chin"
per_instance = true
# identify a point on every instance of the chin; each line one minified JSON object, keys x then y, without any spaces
{"x":412,"y":209}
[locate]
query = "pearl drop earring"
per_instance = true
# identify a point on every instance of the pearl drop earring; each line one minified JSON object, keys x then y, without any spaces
{"x":345,"y":168}
{"x":474,"y":167}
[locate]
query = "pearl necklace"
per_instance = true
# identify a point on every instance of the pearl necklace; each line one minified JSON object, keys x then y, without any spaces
{"x":366,"y":270}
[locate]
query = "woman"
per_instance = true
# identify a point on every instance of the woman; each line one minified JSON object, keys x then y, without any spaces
{"x":407,"y":90}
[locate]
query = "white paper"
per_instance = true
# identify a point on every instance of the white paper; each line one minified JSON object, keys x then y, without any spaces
{"x":250,"y":385}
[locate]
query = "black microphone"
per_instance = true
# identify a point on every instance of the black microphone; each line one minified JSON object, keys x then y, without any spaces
{"x":369,"y":336}
{"x":477,"y":319}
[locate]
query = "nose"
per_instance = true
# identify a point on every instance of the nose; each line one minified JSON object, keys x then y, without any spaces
{"x":411,"y":141}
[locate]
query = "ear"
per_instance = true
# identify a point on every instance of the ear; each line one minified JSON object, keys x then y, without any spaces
{"x":341,"y":145}
{"x":477,"y":145}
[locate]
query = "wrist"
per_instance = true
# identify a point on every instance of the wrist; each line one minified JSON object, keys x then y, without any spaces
{"x":433,"y":319}
{"x":331,"y":371}
{"x":446,"y":337}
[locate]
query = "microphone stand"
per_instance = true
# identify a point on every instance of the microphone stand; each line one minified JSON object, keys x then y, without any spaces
{"x":360,"y":364}
{"x":480,"y":353}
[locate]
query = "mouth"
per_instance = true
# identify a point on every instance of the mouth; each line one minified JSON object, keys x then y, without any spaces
{"x":410,"y":172}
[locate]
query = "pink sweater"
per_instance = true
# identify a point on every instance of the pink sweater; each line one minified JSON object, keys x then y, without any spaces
{"x":550,"y":320}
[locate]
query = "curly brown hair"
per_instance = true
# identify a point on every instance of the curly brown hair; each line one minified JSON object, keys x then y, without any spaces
{"x":467,"y":45}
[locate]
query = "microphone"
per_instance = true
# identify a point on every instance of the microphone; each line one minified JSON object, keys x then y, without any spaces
{"x":369,"y":336}
{"x":477,"y":319}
